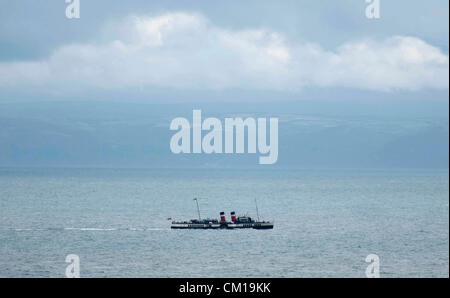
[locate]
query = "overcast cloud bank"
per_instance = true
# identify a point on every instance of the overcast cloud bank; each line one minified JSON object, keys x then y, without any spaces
{"x":187,"y":51}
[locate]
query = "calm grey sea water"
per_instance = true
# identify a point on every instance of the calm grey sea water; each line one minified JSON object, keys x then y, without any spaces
{"x":326,"y":223}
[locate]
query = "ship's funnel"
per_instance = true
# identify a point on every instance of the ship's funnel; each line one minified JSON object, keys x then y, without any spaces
{"x":233,"y":216}
{"x":222,"y":216}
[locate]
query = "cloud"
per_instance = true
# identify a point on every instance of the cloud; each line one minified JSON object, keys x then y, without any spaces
{"x":186,"y":51}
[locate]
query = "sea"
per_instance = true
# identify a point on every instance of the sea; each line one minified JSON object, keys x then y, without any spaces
{"x":117,"y":221}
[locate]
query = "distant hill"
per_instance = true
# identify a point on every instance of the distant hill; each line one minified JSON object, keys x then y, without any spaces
{"x":114,"y":134}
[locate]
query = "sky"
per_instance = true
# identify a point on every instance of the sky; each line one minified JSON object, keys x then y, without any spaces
{"x":101,"y":90}
{"x":233,"y":50}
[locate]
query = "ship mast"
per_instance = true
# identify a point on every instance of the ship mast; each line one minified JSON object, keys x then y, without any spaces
{"x":198,"y":209}
{"x":257,"y":212}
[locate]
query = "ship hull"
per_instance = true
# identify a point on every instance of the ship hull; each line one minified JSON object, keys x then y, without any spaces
{"x":195,"y":226}
{"x":263,"y":226}
{"x":230,"y":226}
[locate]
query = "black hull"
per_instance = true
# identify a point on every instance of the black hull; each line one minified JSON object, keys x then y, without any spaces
{"x":228,"y":226}
{"x":263,"y":228}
